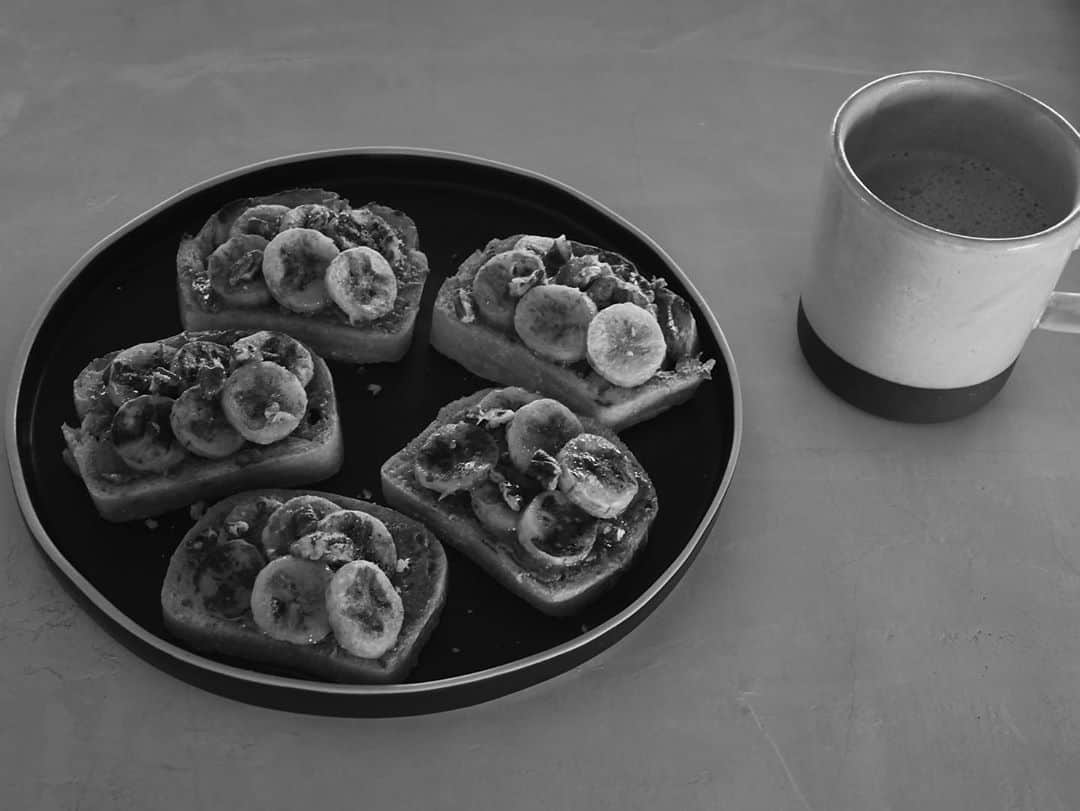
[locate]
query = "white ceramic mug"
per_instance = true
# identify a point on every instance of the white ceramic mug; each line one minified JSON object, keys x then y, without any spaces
{"x":914,"y":321}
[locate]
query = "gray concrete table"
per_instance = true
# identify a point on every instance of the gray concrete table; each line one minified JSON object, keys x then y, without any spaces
{"x":885,"y":617}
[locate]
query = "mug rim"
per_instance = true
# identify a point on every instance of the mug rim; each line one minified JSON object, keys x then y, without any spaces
{"x":884,"y":83}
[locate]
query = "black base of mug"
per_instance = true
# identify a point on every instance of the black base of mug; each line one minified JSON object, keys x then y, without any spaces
{"x":881,"y":397}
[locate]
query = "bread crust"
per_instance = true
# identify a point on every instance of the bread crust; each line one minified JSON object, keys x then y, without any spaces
{"x":498,"y":356}
{"x":329,"y":333}
{"x":314,"y":451}
{"x":557,"y":592}
{"x":422,"y":585}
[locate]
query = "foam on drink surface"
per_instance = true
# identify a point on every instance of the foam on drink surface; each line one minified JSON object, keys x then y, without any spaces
{"x":956,"y":193}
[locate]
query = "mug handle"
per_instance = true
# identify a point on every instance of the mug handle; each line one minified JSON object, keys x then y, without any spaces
{"x":1062,"y":313}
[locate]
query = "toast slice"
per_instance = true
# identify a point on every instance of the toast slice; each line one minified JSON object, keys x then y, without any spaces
{"x":551,"y":589}
{"x":420,"y":578}
{"x":499,"y":355}
{"x":312,"y":452}
{"x":329,"y":331}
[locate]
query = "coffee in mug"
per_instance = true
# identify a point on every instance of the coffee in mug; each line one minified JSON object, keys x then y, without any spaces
{"x":950,"y":206}
{"x":956,"y":193}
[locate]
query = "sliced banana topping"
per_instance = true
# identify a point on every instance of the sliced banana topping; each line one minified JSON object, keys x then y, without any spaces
{"x":677,"y":323}
{"x":368,"y":535}
{"x":295,"y":518}
{"x":493,"y":418}
{"x":142,"y":433}
{"x":294,"y":265}
{"x":288,"y":600}
{"x":141,"y":369}
{"x":331,"y":548}
{"x":362,"y":284}
{"x":492,"y":511}
{"x":309,"y":215}
{"x":225,"y":577}
{"x":537,"y":244}
{"x":199,"y":424}
{"x":282,"y":349}
{"x":582,"y":271}
{"x":553,"y":321}
{"x":363,"y":227}
{"x":555,"y":251}
{"x":455,"y":457}
{"x":596,"y":476}
{"x":202,"y":363}
{"x":491,"y":285}
{"x":556,"y":532}
{"x":540,"y":425}
{"x":625,"y":344}
{"x":366,"y":612}
{"x":511,"y":397}
{"x":262,"y":220}
{"x":263,"y":401}
{"x":236,"y":271}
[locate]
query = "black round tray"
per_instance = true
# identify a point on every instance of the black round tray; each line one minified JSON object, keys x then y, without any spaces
{"x":488,"y":642}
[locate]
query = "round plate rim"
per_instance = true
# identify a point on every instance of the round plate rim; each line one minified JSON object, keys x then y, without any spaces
{"x":499,"y":672}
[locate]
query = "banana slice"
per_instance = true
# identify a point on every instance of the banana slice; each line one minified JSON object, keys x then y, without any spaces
{"x":235,"y":269}
{"x":225,"y":577}
{"x":629,"y":291}
{"x":294,"y":264}
{"x":292,"y":520}
{"x":677,"y":323}
{"x":262,"y":220}
{"x":282,"y":349}
{"x":555,"y":531}
{"x":492,"y":511}
{"x":332,"y":548}
{"x":141,"y":369}
{"x":553,"y":320}
{"x":625,"y":344}
{"x":248,"y":519}
{"x":455,"y":457}
{"x":203,"y":364}
{"x":596,"y":476}
{"x":602,"y":288}
{"x":288,"y":600}
{"x":542,"y":425}
{"x":309,"y":215}
{"x":534,"y":243}
{"x":582,"y":271}
{"x":491,"y":286}
{"x":366,"y":612}
{"x":362,"y":284}
{"x":142,"y":434}
{"x":363,"y":227}
{"x":370,"y":537}
{"x":511,"y":397}
{"x":263,"y":401}
{"x":199,"y":424}
{"x":555,"y":251}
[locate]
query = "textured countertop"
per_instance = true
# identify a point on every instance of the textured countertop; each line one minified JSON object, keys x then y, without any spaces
{"x":885,"y":617}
